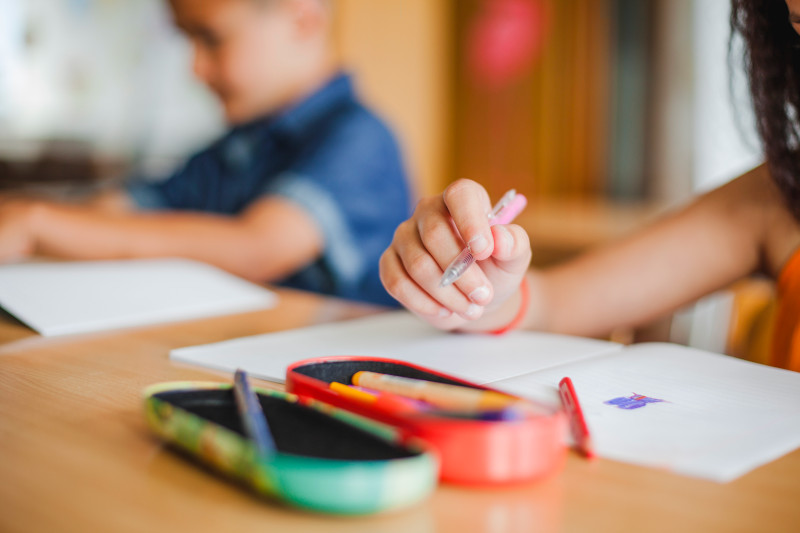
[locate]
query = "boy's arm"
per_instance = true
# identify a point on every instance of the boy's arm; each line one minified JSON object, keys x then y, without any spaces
{"x":268,"y":241}
{"x":113,"y":201}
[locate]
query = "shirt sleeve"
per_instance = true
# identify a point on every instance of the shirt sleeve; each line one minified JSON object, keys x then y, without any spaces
{"x":353,"y":185}
{"x":187,"y":188}
{"x":146,"y":195}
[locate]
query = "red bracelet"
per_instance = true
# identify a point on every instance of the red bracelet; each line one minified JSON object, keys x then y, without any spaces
{"x":523,"y":308}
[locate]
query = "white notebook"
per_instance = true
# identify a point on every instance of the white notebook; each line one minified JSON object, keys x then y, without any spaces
{"x":659,"y":405}
{"x":60,"y":298}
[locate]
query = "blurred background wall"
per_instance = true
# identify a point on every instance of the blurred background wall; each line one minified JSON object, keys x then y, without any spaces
{"x":604,"y":112}
{"x":566,"y":99}
{"x":110,"y":80}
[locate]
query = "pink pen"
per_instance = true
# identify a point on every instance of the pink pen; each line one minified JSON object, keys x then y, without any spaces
{"x":506,"y":210}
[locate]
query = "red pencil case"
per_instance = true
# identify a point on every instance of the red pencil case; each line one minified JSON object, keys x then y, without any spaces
{"x":471,"y":451}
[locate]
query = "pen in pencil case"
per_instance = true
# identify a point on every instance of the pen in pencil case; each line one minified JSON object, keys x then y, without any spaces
{"x":440,"y":395}
{"x":403,"y":404}
{"x":507,"y":414}
{"x":417,"y":404}
{"x":504,"y":212}
{"x":253,"y":419}
{"x":380,"y":400}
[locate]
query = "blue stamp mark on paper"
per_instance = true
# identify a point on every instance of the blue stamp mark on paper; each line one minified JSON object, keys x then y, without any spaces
{"x":634,"y":401}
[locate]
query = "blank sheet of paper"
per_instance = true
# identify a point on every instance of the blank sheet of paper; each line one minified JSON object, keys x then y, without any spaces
{"x":78,"y":297}
{"x":396,"y":335}
{"x":717,"y":417}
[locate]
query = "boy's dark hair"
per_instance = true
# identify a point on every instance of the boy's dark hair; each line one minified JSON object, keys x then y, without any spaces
{"x":772,"y":61}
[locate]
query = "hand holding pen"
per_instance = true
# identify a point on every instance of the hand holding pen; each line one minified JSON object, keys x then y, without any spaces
{"x":425,"y":246}
{"x":504,"y":212}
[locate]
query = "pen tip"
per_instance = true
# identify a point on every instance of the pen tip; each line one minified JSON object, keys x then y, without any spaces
{"x":448,"y":278}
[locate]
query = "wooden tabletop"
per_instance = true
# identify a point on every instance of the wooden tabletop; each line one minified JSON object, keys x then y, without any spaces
{"x":76,"y":455}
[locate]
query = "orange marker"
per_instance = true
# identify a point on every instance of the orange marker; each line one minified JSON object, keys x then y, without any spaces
{"x":387,"y":402}
{"x":440,"y":395}
{"x":353,"y":393}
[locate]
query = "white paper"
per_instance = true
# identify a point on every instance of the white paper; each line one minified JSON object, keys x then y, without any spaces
{"x":721,"y":417}
{"x":77,"y":297}
{"x":396,"y":335}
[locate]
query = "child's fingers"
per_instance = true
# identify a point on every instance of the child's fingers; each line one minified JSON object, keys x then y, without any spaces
{"x":476,"y":286}
{"x":425,"y":268}
{"x":512,"y":250}
{"x":441,"y":242}
{"x":403,"y":289}
{"x":468,"y":205}
{"x":424,"y":246}
{"x":413,"y":297}
{"x":508,"y":263}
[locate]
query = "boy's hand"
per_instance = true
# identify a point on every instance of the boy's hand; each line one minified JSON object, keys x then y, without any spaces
{"x":16,"y":235}
{"x":424,"y":246}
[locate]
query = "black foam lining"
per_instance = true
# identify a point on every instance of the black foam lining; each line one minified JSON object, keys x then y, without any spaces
{"x":343,"y":371}
{"x":296,"y":429}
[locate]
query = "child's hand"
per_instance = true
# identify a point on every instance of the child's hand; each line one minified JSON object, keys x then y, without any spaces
{"x":424,"y":246}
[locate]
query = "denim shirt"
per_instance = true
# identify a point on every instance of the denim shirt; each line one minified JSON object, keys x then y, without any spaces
{"x":327,"y":154}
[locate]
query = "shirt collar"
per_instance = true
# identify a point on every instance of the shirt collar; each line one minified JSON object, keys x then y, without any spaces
{"x":288,"y":125}
{"x":293,"y":122}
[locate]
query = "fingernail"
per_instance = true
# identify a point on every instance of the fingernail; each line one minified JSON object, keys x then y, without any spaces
{"x":444,"y":312}
{"x":473,"y":311}
{"x":480,"y":295}
{"x":478,"y":244}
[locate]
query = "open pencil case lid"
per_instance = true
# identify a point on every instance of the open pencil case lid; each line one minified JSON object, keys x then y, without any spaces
{"x":471,"y":451}
{"x":327,"y":459}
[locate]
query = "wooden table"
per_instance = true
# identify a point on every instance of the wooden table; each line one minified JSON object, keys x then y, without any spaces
{"x":76,"y":455}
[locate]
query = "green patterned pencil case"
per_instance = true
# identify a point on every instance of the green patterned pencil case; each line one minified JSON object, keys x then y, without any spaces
{"x":327,"y":459}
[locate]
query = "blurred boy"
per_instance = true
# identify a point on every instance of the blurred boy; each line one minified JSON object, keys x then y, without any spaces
{"x":305,"y":189}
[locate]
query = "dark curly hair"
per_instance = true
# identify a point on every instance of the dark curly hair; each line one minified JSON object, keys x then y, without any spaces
{"x":772,"y":62}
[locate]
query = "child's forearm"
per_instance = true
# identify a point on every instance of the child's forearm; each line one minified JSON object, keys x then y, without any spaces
{"x":701,"y":249}
{"x":249,"y":246}
{"x":712,"y":243}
